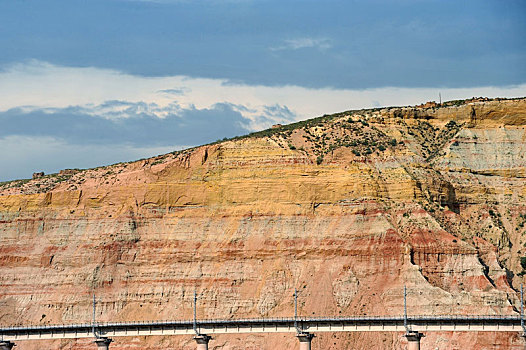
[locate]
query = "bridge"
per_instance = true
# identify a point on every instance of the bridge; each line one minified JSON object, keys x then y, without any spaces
{"x":300,"y":326}
{"x":304,"y":328}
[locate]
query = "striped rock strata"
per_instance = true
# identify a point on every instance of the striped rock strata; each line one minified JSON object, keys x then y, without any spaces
{"x":347,"y":209}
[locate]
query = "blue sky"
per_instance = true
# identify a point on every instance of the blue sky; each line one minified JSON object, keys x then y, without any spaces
{"x":86,"y":83}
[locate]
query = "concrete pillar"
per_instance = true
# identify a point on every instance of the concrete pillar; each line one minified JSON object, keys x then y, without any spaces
{"x":413,"y":340}
{"x":202,"y":341}
{"x":305,"y":340}
{"x":6,"y":345}
{"x":103,"y":343}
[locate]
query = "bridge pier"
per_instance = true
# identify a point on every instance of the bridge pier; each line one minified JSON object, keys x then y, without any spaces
{"x":6,"y":345}
{"x":103,"y":343}
{"x":413,"y":340}
{"x":305,"y":340}
{"x":202,"y":341}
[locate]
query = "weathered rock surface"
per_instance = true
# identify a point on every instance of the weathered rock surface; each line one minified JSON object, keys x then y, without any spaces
{"x":346,"y":209}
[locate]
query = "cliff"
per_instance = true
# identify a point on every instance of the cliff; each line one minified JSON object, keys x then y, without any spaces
{"x":347,"y":208}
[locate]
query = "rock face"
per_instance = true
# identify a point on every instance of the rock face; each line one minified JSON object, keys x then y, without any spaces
{"x":346,"y":208}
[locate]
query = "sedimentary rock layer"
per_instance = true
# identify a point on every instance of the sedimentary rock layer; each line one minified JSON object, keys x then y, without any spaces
{"x":347,"y":209}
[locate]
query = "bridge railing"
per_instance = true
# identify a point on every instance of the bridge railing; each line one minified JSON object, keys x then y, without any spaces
{"x":359,"y":318}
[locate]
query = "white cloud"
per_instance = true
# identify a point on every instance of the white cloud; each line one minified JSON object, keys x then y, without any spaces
{"x":37,"y":85}
{"x":175,"y":91}
{"x":303,"y":43}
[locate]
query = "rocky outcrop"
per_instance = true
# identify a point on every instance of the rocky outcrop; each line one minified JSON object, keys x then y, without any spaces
{"x":347,"y":209}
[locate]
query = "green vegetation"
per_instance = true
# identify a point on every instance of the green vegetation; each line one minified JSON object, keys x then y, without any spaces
{"x":454,"y":103}
{"x":304,"y":124}
{"x":521,"y":221}
{"x":16,"y":183}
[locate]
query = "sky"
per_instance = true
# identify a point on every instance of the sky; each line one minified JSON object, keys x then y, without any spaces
{"x":89,"y":83}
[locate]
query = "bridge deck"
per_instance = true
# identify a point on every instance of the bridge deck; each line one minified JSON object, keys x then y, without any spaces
{"x":269,"y":325}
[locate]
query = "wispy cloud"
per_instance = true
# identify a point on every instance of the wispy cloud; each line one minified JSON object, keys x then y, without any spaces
{"x":175,"y":91}
{"x":303,"y":43}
